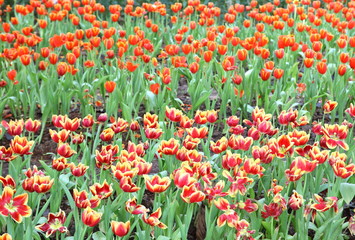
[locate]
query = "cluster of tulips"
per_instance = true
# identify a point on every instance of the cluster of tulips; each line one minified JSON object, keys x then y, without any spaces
{"x":93,"y":170}
{"x":185,"y":116}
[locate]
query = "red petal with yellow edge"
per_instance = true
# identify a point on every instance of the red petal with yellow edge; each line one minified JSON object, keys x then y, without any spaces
{"x":331,"y":143}
{"x":7,"y":194}
{"x":343,"y":145}
{"x":20,"y":199}
{"x":24,"y":210}
{"x":16,"y":216}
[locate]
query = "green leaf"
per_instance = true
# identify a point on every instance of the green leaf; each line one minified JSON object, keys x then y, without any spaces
{"x":163,"y":238}
{"x":98,"y":236}
{"x":248,"y":73}
{"x":267,"y":226}
{"x":203,"y":97}
{"x":347,"y":191}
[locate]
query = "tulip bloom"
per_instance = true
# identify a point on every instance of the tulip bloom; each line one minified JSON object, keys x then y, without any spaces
{"x":157,"y":184}
{"x":90,"y":217}
{"x":127,"y":185}
{"x":65,"y":150}
{"x":153,"y":219}
{"x":15,"y":207}
{"x":296,"y":201}
{"x":169,"y":147}
{"x":21,"y":146}
{"x":191,"y":194}
{"x":102,"y":191}
{"x":220,"y":146}
{"x":329,"y":106}
{"x":173,"y":114}
{"x":133,"y":208}
{"x":55,"y":222}
{"x":82,"y":201}
{"x":110,"y":86}
{"x":272,"y":210}
{"x":13,"y":127}
{"x":239,"y":142}
{"x":321,"y":205}
{"x":5,"y":236}
{"x":351,"y":110}
{"x":32,"y":125}
{"x":322,"y":67}
{"x":120,"y":229}
{"x":8,"y":181}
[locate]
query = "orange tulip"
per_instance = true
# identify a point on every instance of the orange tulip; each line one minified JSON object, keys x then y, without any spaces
{"x":110,"y":86}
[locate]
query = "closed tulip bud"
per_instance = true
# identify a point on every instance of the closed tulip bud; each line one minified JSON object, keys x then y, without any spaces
{"x":12,"y":74}
{"x":62,"y":68}
{"x":134,"y":126}
{"x":232,"y":121}
{"x":107,"y":135}
{"x":25,"y":59}
{"x":278,"y":73}
{"x":242,"y":54}
{"x":87,"y":121}
{"x":265,"y":74}
{"x":110,"y":86}
{"x":5,"y":236}
{"x":342,"y":69}
{"x":211,"y":116}
{"x":102,"y":117}
{"x":279,"y":53}
{"x":207,"y":56}
{"x":71,"y":58}
{"x":322,"y":67}
{"x":194,"y":67}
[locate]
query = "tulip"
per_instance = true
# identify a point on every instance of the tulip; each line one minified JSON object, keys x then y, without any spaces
{"x":120,"y":229}
{"x":90,"y":217}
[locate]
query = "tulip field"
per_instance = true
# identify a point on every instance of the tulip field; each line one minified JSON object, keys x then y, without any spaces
{"x":180,"y":120}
